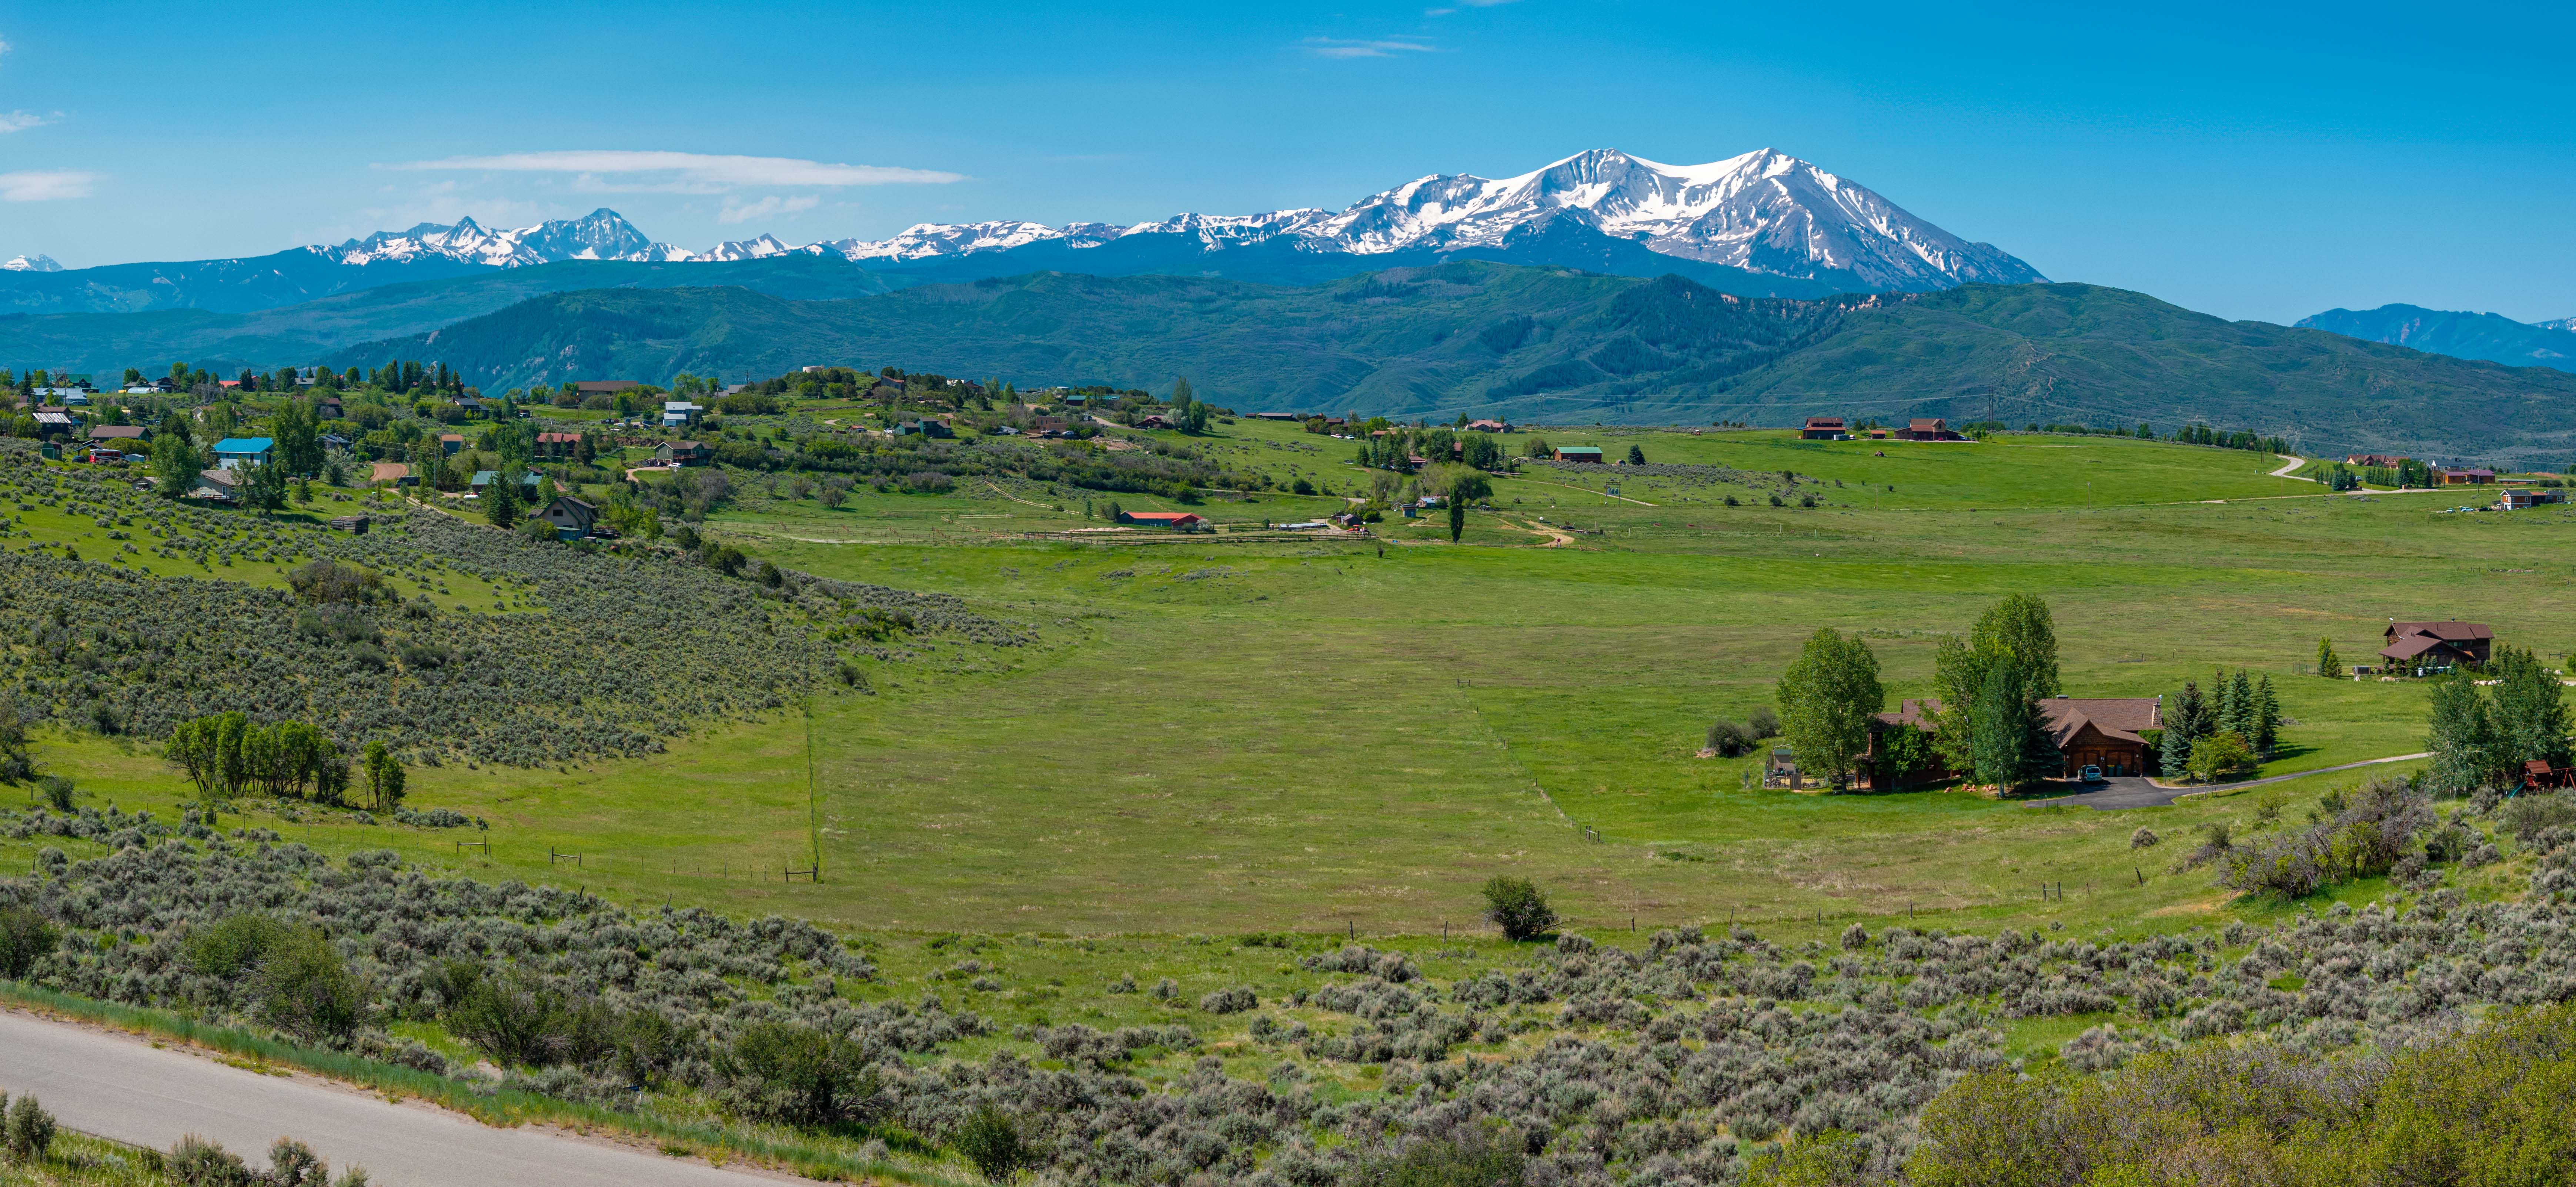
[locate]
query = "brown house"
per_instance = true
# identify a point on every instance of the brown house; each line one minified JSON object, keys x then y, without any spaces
{"x":2437,"y":644}
{"x":557,"y":447}
{"x":2103,"y":732}
{"x":604,"y":387}
{"x":1823,"y":428}
{"x":2380,"y":460}
{"x":1914,"y":715}
{"x":2089,"y":731}
{"x":2451,"y":477}
{"x":1926,"y":428}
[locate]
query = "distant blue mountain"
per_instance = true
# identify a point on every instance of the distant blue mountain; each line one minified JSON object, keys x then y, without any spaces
{"x":2489,"y":336}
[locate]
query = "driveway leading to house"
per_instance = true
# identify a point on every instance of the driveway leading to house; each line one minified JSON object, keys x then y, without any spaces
{"x":120,"y":1086}
{"x":2136,"y":791}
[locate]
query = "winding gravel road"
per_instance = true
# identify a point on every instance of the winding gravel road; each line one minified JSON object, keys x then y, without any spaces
{"x":120,"y":1086}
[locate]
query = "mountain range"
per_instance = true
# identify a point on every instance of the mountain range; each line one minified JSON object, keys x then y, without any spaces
{"x":1761,"y":224}
{"x":1558,"y":345}
{"x":2489,"y":336}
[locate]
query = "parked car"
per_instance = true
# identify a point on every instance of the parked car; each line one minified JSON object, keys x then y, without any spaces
{"x":2089,"y":775}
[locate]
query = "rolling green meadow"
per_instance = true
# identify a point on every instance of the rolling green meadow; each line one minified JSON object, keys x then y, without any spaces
{"x":1209,"y":761}
{"x":1246,"y":730}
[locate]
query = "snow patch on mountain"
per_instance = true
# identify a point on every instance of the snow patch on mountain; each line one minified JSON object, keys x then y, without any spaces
{"x":2565,"y":323}
{"x":34,"y":263}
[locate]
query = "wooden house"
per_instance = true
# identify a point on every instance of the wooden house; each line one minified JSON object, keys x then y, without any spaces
{"x":2437,"y":645}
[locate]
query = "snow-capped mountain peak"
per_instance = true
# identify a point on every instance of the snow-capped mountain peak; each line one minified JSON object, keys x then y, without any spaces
{"x":600,"y":235}
{"x":1764,"y":211}
{"x":34,"y":263}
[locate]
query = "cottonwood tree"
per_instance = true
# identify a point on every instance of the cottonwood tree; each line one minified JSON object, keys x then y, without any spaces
{"x":2463,"y":737}
{"x":1464,"y":489}
{"x":2529,"y":708}
{"x":1827,"y":698}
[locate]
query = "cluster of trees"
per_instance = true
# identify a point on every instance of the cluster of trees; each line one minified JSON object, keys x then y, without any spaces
{"x":1402,"y":443}
{"x":227,"y":754}
{"x":1986,"y":721}
{"x":2481,"y":737}
{"x":2221,"y":732}
{"x":2200,"y":434}
{"x":1989,"y":684}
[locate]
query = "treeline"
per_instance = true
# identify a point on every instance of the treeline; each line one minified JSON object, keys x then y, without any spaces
{"x":2190,"y":434}
{"x":227,"y":754}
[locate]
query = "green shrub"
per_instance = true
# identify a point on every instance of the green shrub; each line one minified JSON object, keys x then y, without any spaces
{"x":991,"y":1141}
{"x":25,"y":938}
{"x":1472,"y":1159}
{"x":779,"y":1071}
{"x":1517,"y":906}
{"x":30,"y":1129}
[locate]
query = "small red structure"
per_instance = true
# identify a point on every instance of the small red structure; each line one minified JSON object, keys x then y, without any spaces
{"x":1182,"y":521}
{"x":2538,"y":775}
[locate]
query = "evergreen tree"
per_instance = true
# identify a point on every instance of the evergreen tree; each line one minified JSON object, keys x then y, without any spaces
{"x":2239,"y":715}
{"x":2530,"y":709}
{"x":2187,"y":719}
{"x":501,"y":503}
{"x":2012,"y":746}
{"x":2266,"y":717}
{"x":2462,"y":737}
{"x":2328,"y":665}
{"x":1827,"y":698}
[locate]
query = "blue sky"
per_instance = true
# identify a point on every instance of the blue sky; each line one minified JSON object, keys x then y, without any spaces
{"x":2253,"y":161}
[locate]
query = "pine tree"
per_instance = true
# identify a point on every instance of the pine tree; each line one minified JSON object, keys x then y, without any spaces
{"x":2267,"y":717}
{"x":2328,"y":665}
{"x":2187,"y":720}
{"x":2240,"y":705}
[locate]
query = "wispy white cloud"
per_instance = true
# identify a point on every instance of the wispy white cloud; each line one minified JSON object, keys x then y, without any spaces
{"x":1338,"y":47}
{"x":20,"y":121}
{"x":620,"y":171}
{"x":45,"y":185}
{"x":769,"y":207}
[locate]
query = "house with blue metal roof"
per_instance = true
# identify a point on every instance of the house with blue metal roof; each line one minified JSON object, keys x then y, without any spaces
{"x":232,"y":453}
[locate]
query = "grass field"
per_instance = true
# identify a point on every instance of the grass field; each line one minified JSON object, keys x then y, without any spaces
{"x":1304,"y":734}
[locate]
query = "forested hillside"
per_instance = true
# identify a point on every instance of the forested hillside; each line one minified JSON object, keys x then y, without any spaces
{"x":296,"y":335}
{"x":1560,"y":345}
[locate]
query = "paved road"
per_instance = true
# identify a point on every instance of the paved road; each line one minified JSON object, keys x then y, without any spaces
{"x":2113,"y":795}
{"x":120,"y":1086}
